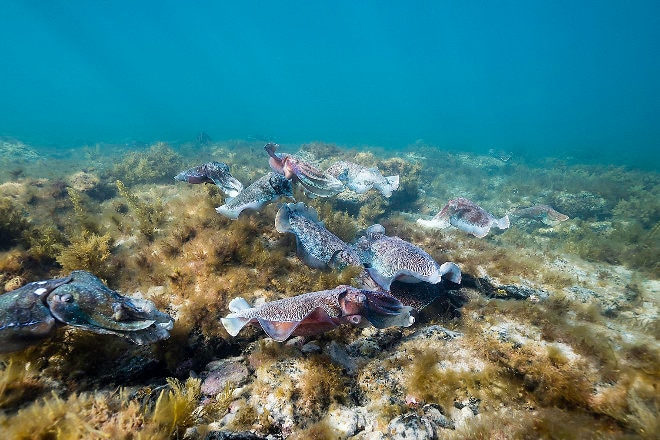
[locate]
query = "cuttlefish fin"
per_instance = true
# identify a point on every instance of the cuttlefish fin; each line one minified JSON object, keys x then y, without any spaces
{"x":232,"y":322}
{"x":278,"y":330}
{"x":315,"y":322}
{"x":503,"y":223}
{"x":237,"y":304}
{"x":451,"y":272}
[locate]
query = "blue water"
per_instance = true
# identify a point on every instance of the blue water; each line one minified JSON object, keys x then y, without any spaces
{"x":552,"y":78}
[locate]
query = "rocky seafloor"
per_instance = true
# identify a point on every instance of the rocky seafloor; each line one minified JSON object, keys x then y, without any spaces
{"x":553,"y":333}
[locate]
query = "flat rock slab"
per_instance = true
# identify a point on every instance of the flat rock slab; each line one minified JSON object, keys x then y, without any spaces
{"x":223,"y":371}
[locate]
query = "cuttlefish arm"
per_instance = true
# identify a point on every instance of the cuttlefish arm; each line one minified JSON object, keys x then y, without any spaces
{"x":276,"y":161}
{"x":311,"y":178}
{"x":315,"y":181}
{"x":87,"y":303}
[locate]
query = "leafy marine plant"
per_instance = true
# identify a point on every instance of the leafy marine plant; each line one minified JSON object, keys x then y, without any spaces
{"x":148,"y":216}
{"x":156,"y":165}
{"x":88,"y":251}
{"x":12,"y":223}
{"x":106,"y":415}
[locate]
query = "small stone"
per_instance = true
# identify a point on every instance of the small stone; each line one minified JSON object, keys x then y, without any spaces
{"x":339,"y":355}
{"x":345,"y":421}
{"x":434,"y":413}
{"x":224,"y":371}
{"x":83,"y":182}
{"x":435,"y":332}
{"x":311,"y":347}
{"x":411,"y":426}
{"x":370,"y":435}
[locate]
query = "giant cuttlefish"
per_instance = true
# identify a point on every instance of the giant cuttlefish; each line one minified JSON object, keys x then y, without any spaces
{"x":391,"y":258}
{"x":317,"y":312}
{"x":212,"y":172}
{"x":466,"y":216}
{"x":314,"y":181}
{"x":316,"y":246}
{"x":360,"y":179}
{"x":32,"y":312}
{"x":257,"y":194}
{"x":543,"y":213}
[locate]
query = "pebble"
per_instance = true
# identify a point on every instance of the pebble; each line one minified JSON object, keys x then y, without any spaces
{"x":221,"y":372}
{"x":411,"y":426}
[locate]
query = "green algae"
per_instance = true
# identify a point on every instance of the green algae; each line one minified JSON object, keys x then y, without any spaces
{"x":13,"y":223}
{"x":148,"y":216}
{"x":158,"y":164}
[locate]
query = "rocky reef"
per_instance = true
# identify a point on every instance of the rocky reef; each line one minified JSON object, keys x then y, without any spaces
{"x":553,"y":333}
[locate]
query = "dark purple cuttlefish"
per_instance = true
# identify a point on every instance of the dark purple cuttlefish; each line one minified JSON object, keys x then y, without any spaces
{"x":212,"y":172}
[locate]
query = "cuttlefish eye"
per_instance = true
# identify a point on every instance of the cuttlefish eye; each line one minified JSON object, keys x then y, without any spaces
{"x":66,"y":298}
{"x":353,"y":303}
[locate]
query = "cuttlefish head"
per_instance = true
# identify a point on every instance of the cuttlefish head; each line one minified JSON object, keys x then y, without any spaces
{"x":379,"y":308}
{"x":86,"y":302}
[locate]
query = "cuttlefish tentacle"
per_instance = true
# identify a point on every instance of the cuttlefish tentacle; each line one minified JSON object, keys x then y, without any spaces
{"x":317,"y":312}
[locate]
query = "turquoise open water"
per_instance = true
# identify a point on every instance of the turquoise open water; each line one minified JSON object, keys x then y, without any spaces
{"x":556,"y":78}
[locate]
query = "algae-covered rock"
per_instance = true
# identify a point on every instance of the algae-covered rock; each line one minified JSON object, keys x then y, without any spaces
{"x":583,"y":205}
{"x":411,"y":426}
{"x":83,"y":181}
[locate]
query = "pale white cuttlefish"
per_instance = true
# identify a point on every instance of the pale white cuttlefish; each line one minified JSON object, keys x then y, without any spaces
{"x":392,"y":258}
{"x":361,"y":179}
{"x":317,"y":312}
{"x":466,"y":216}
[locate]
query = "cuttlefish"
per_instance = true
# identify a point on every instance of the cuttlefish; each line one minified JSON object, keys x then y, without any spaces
{"x":543,"y":213}
{"x":31,"y":313}
{"x":317,"y":312}
{"x":263,"y":190}
{"x":316,"y":246}
{"x":466,"y":216}
{"x":392,"y":258}
{"x":212,"y":172}
{"x":361,"y":179}
{"x":314,"y":181}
